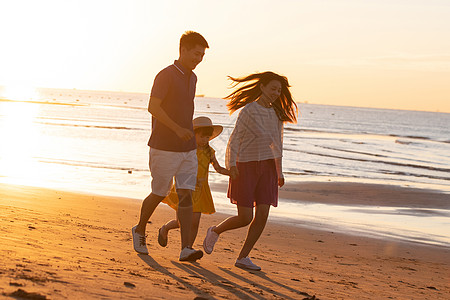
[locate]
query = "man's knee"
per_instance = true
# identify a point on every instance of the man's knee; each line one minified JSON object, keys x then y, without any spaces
{"x":154,"y":198}
{"x":184,"y":198}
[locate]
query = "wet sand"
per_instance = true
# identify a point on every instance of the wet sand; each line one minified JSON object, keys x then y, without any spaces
{"x":64,"y":245}
{"x":347,"y":193}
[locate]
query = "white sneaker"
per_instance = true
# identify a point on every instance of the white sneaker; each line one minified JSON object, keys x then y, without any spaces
{"x":246,"y":263}
{"x":210,"y":240}
{"x":139,"y":243}
{"x":189,"y":254}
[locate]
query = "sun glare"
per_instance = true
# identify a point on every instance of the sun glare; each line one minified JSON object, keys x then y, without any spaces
{"x":19,"y":92}
{"x":19,"y":139}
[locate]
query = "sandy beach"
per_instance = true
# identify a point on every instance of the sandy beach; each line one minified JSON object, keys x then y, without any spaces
{"x":64,"y":245}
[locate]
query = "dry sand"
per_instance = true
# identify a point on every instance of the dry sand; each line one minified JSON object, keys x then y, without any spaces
{"x":62,"y":245}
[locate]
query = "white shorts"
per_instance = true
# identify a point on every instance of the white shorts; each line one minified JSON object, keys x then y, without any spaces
{"x":165,"y":165}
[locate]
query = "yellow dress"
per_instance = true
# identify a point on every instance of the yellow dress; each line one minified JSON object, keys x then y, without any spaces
{"x":201,"y":198}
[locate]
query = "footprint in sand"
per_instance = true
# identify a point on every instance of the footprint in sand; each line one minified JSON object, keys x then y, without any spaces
{"x":129,"y":284}
{"x":21,"y":294}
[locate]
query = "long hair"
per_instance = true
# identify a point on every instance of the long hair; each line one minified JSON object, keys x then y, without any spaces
{"x":285,"y":107}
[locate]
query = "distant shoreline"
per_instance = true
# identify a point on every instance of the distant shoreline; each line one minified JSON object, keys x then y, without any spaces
{"x":299,"y":102}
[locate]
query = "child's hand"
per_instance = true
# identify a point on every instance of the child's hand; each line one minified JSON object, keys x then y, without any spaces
{"x":234,"y":173}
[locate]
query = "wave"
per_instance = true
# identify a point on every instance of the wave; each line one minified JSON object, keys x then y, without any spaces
{"x":403,"y":142}
{"x":88,"y":164}
{"x":76,"y":103}
{"x":302,"y":172}
{"x":93,"y":126}
{"x":43,"y":102}
{"x":406,"y":212}
{"x":348,"y":133}
{"x":412,"y":137}
{"x":198,"y":112}
{"x":416,"y":137}
{"x":399,"y":173}
{"x":121,"y":106}
{"x":365,"y":153}
{"x":445,"y":170}
{"x":353,"y":151}
{"x":308,"y":130}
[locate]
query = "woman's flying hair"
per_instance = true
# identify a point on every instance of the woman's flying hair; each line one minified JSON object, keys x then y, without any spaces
{"x":285,"y":107}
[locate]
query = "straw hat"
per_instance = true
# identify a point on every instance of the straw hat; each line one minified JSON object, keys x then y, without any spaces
{"x":206,"y":122}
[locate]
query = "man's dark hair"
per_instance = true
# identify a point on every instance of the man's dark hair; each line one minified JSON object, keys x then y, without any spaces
{"x":190,"y":39}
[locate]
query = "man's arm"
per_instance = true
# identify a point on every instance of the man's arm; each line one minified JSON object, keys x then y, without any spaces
{"x":154,"y":107}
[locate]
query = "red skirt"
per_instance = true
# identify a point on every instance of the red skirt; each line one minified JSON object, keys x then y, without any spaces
{"x":257,"y":183}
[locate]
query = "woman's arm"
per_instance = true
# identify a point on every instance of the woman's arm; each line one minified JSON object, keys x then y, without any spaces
{"x":279,"y":161}
{"x":279,"y":166}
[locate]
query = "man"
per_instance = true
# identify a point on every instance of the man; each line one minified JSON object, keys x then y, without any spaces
{"x":172,"y":142}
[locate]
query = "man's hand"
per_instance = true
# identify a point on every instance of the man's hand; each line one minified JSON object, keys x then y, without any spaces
{"x":154,"y":107}
{"x":184,"y":134}
{"x":234,"y":173}
{"x":280,"y":181}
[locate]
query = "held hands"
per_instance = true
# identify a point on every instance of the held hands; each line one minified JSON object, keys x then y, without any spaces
{"x":279,"y":167}
{"x":184,"y":134}
{"x":280,"y":181}
{"x":234,"y":173}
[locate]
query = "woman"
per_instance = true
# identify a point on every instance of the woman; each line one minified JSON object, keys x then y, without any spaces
{"x":253,"y":156}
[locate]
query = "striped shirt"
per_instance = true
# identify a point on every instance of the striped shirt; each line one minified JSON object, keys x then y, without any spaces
{"x":257,"y":136}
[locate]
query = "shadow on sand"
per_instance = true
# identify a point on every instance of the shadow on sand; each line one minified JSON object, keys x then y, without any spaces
{"x":156,"y":266}
{"x":264,"y":276}
{"x":243,"y":287}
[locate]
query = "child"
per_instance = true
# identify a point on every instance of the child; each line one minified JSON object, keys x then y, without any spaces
{"x":253,"y":157}
{"x":201,"y":198}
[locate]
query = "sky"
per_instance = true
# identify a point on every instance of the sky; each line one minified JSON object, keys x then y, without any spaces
{"x":384,"y":53}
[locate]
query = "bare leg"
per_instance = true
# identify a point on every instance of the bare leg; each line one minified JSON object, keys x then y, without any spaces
{"x":194,"y":227}
{"x":255,"y":229}
{"x":148,"y":207}
{"x":244,"y":217}
{"x":184,"y":215}
{"x":172,"y":224}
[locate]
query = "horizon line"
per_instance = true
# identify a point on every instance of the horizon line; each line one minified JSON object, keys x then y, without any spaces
{"x":207,"y":96}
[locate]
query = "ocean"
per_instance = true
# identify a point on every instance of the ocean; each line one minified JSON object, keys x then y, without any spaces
{"x":96,"y":142}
